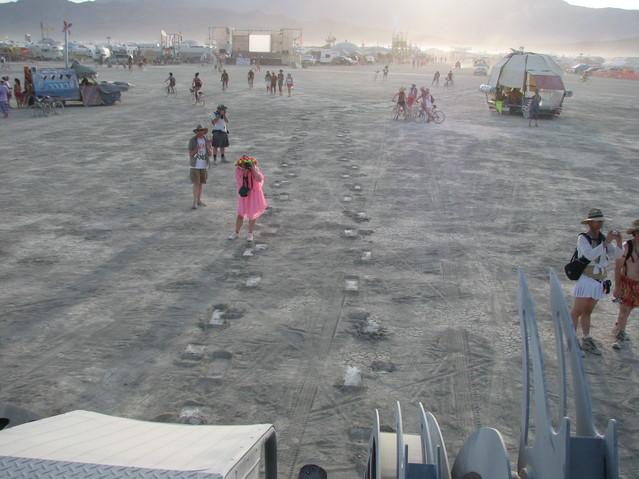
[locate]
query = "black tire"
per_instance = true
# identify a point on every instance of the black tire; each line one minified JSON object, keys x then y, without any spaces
{"x":36,"y":110}
{"x":395,"y":112}
{"x":438,"y":116}
{"x":48,"y":109}
{"x":57,"y":106}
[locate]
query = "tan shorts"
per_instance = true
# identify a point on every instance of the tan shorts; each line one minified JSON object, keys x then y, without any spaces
{"x":199,"y":175}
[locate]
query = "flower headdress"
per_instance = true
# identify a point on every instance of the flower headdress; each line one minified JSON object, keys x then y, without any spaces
{"x":244,"y":160}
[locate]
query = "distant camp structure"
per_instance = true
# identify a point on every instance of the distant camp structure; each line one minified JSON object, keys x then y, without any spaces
{"x":514,"y":79}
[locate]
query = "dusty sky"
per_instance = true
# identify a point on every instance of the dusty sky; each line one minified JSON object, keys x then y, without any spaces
{"x":627,"y":4}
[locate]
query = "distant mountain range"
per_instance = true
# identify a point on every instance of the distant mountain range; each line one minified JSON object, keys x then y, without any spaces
{"x":551,"y":25}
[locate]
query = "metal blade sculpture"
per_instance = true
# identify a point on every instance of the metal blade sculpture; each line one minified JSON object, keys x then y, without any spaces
{"x":557,"y":454}
{"x":552,"y":455}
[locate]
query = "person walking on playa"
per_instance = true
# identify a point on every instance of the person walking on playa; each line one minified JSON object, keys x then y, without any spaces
{"x":533,"y":108}
{"x":273,"y":83}
{"x":280,"y":81}
{"x":289,"y":83}
{"x":219,"y":132}
{"x":199,"y":157}
{"x":251,"y":206}
{"x":250,"y":77}
{"x":171,"y":83}
{"x":627,"y":283}
{"x":17,"y":90}
{"x":592,"y":284}
{"x":267,"y":81}
{"x":4,"y":100}
{"x":225,"y":80}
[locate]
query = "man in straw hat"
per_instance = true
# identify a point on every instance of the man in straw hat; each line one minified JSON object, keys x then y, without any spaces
{"x":199,"y":158}
{"x":593,"y":285}
{"x":627,"y":283}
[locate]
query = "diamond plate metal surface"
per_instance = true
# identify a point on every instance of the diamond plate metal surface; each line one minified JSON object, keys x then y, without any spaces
{"x":25,"y":468}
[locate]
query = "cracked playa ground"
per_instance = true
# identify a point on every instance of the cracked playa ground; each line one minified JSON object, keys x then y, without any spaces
{"x":389,"y":246}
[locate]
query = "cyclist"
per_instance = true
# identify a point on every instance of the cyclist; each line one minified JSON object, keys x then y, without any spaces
{"x":401,"y":100}
{"x":196,"y":85}
{"x":435,"y":79}
{"x":449,"y":79}
{"x":426,"y":101}
{"x":171,"y":83}
{"x":412,"y":94}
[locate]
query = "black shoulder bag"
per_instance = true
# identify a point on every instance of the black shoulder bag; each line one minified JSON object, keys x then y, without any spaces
{"x":244,"y":189}
{"x":577,"y":264}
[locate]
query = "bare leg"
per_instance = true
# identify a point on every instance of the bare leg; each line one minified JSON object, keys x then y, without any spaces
{"x":251,"y":225}
{"x":581,"y":310}
{"x":238,"y":223}
{"x":622,"y":318}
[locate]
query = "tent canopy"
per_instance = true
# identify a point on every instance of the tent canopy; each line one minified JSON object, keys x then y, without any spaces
{"x":513,"y":70}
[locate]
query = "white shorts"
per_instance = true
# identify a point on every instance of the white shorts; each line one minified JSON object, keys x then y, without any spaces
{"x":587,"y":287}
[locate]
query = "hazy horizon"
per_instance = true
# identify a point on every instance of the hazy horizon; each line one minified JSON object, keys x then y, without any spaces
{"x":623,"y":4}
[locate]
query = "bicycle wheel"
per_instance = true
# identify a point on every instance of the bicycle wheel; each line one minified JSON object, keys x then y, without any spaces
{"x":167,"y":91}
{"x":36,"y":110}
{"x":395,"y":112}
{"x":438,"y":116}
{"x":420,"y":116}
{"x":48,"y":109}
{"x":201,"y":100}
{"x":57,"y":105}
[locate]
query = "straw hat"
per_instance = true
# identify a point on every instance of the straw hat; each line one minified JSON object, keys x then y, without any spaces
{"x":635,"y":227}
{"x":595,"y":214}
{"x":200,"y":128}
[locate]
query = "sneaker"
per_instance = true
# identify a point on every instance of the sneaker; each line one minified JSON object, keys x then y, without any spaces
{"x":194,"y":207}
{"x":201,"y":203}
{"x":617,"y":344}
{"x":224,"y":160}
{"x":233,"y":236}
{"x":623,"y":336}
{"x":249,"y":237}
{"x":588,"y":345}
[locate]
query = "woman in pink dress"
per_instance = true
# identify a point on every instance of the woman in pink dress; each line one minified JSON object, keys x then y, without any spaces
{"x":252,"y":205}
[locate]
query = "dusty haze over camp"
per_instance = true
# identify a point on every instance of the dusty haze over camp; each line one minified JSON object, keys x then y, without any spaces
{"x":550,"y":25}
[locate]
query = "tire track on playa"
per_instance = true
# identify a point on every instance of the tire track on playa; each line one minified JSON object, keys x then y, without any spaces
{"x":300,"y":410}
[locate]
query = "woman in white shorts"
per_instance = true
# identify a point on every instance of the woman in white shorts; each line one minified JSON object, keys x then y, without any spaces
{"x":592,"y":284}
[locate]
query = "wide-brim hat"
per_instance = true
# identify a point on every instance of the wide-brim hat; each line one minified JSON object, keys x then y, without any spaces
{"x":635,"y":227}
{"x":595,"y":214}
{"x":200,"y":128}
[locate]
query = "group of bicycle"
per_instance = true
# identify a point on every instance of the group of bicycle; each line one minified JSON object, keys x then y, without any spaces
{"x":38,"y":105}
{"x":196,"y":94}
{"x":417,"y":105}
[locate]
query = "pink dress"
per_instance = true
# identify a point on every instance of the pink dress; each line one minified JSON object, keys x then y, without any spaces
{"x":253,"y":205}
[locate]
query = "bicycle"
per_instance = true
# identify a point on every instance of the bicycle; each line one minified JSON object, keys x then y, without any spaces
{"x":433,"y":114}
{"x":197,"y":98}
{"x":56,"y":102}
{"x":41,"y":107}
{"x":397,"y":111}
{"x":170,"y":90}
